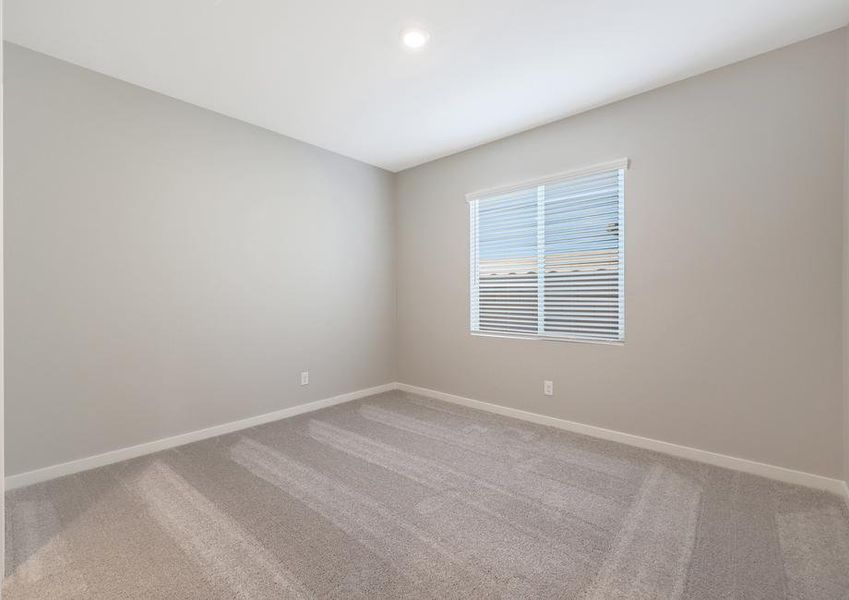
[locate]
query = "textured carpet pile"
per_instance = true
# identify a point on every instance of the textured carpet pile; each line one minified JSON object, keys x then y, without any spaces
{"x":398,"y":496}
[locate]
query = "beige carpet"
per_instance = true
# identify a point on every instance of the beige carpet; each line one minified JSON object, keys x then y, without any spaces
{"x":397,"y":496}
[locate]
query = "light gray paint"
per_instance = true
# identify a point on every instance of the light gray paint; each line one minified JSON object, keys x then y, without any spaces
{"x":845,"y":354}
{"x":733,"y":265}
{"x":169,"y":269}
{"x":142,"y":232}
{"x":2,"y":324}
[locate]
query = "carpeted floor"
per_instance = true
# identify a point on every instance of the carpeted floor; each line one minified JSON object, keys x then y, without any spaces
{"x":398,"y":496}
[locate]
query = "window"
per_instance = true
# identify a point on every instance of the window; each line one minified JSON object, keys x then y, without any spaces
{"x":547,"y":257}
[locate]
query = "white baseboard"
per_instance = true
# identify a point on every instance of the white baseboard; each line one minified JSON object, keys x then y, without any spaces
{"x":835,"y":486}
{"x":92,"y":462}
{"x":819,"y":482}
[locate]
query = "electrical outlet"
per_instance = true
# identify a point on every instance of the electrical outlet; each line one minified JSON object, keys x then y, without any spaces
{"x":548,"y":388}
{"x":305,"y":377}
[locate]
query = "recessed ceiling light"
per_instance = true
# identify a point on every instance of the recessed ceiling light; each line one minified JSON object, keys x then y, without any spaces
{"x":415,"y":38}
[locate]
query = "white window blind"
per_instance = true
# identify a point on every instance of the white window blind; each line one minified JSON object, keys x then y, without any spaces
{"x":547,"y":257}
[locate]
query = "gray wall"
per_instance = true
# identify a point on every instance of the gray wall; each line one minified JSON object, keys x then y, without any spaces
{"x":2,"y":386}
{"x":846,"y":277}
{"x":733,"y":277}
{"x":169,"y":269}
{"x":162,"y":274}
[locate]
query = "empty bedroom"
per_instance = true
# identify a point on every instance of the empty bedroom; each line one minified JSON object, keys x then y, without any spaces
{"x":404,"y":299}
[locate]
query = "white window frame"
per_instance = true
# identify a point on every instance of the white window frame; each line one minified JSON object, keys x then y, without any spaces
{"x":620,"y":164}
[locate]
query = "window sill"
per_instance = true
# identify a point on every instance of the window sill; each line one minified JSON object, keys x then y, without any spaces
{"x":546,"y":338}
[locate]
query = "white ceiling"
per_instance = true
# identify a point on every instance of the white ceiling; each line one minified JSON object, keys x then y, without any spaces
{"x":333,"y":73}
